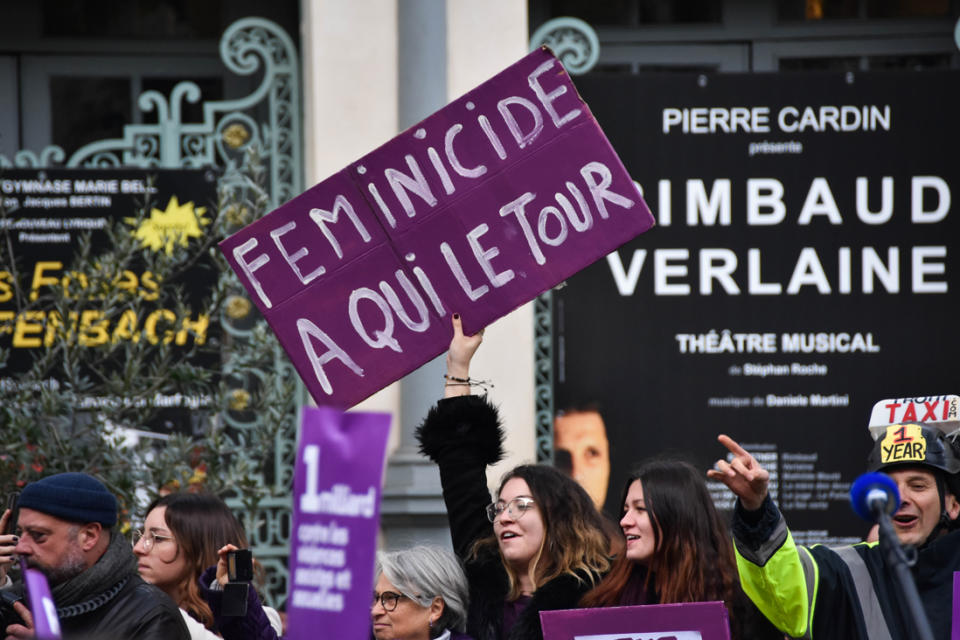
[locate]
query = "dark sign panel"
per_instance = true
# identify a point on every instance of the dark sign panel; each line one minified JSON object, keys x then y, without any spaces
{"x":802,"y":269}
{"x":48,"y":213}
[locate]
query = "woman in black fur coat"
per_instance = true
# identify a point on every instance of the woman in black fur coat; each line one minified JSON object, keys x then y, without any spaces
{"x":540,"y":546}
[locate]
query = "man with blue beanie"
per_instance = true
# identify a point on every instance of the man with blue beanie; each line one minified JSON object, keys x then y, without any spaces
{"x":67,"y":531}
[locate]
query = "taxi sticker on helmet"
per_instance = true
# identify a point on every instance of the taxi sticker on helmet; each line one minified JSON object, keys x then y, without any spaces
{"x":903,"y":443}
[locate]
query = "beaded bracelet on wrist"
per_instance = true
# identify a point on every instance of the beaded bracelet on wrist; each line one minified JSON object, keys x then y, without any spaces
{"x":454,"y":381}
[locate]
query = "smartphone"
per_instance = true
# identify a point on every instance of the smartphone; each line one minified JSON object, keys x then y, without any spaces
{"x":240,"y":565}
{"x":12,"y":499}
{"x":239,"y":574}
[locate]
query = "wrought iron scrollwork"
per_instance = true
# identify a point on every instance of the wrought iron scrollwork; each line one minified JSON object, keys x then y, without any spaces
{"x":543,"y":374}
{"x":246,"y":46}
{"x":222,"y":139}
{"x":576,"y":44}
{"x":572,"y":40}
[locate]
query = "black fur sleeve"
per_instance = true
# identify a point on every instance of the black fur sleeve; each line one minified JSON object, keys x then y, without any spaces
{"x":462,"y":428}
{"x":463,"y":435}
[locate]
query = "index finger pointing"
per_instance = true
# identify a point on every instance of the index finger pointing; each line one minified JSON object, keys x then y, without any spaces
{"x":732,"y":445}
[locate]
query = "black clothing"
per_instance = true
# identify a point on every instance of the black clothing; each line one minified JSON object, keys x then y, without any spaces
{"x":255,"y":625}
{"x":814,"y":590}
{"x":463,"y":435}
{"x":110,"y":600}
{"x":139,"y":611}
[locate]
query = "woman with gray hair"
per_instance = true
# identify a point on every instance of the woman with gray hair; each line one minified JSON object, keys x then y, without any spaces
{"x":421,"y":594}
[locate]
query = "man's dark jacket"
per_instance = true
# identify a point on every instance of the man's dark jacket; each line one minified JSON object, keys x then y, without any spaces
{"x":139,"y":611}
{"x":110,"y":601}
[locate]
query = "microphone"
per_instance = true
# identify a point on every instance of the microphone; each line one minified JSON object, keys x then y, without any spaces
{"x":874,"y":494}
{"x":875,"y":497}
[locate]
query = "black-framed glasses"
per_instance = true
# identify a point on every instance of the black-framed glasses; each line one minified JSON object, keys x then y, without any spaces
{"x":388,"y":600}
{"x":515,"y":508}
{"x":149,"y":539}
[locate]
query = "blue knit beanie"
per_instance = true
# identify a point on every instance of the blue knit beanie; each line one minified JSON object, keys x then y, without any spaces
{"x":75,"y":497}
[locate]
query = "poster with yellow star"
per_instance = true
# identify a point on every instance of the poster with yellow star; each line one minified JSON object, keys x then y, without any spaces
{"x":174,"y":226}
{"x":86,"y":257}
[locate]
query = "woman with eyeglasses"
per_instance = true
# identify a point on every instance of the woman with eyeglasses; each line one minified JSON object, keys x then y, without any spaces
{"x":539,"y":546}
{"x":183,"y":549}
{"x":420,"y":594}
{"x":677,"y":548}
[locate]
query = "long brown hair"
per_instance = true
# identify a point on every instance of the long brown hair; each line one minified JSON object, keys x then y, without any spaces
{"x":574,"y":541}
{"x":693,"y":557}
{"x":201,"y":523}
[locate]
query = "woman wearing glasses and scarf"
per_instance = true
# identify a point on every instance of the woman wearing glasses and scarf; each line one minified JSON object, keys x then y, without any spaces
{"x":420,"y":594}
{"x":539,"y":546}
{"x":183,"y":550}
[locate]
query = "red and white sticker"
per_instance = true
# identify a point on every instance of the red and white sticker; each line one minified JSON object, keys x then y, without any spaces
{"x":942,"y":412}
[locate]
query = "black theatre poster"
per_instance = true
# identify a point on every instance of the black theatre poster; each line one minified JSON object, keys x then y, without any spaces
{"x":804,"y":266}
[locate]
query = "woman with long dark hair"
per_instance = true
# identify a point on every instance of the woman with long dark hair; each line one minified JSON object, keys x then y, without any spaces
{"x":183,"y":548}
{"x":677,"y":548}
{"x":539,"y":545}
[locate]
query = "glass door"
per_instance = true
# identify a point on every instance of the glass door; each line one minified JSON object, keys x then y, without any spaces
{"x":9,"y":107}
{"x":103,"y":92}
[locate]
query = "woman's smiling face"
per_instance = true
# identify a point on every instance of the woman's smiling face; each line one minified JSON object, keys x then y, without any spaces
{"x":519,"y":529}
{"x":637,"y":526}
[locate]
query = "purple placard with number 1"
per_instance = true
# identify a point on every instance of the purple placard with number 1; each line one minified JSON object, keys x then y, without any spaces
{"x":336,"y":512}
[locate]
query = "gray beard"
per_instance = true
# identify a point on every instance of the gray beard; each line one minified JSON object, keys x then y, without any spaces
{"x":72,"y":566}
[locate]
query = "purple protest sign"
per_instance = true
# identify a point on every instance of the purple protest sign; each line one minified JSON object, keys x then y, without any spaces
{"x":686,"y":621}
{"x":955,"y":626}
{"x":46,"y":624}
{"x":492,"y":200}
{"x":336,"y":509}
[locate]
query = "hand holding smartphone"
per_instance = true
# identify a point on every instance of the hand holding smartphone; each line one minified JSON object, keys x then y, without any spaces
{"x":240,"y":565}
{"x":8,"y":541}
{"x":239,"y":575}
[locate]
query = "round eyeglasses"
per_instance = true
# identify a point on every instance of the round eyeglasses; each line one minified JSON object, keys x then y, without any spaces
{"x":149,"y":539}
{"x":515,"y":508}
{"x":388,"y":600}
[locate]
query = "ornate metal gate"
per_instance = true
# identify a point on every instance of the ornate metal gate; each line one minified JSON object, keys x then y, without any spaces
{"x":576,"y":44}
{"x":227,"y":131}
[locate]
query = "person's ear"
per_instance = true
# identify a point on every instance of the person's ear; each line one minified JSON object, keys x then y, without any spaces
{"x":952,"y":506}
{"x":89,"y":535}
{"x":436,"y":609}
